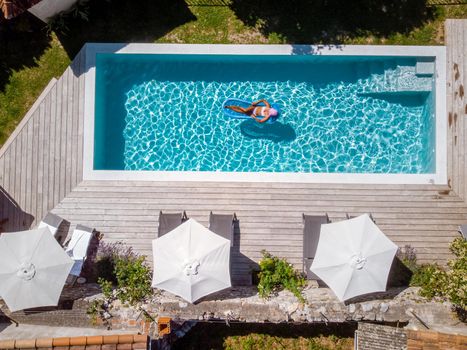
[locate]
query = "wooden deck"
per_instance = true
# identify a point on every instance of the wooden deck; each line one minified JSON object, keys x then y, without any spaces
{"x":41,"y":170}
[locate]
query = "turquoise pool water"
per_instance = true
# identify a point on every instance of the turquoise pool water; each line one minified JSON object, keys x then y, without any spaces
{"x":339,"y":114}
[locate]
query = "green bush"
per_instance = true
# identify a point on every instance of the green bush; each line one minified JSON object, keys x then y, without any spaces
{"x":456,"y":286}
{"x":450,"y":284}
{"x":431,"y":278}
{"x":408,"y":257}
{"x":124,"y":276}
{"x":277,"y":274}
{"x":133,"y":280}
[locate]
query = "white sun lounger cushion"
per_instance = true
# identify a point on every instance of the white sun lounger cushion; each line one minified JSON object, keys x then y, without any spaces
{"x":51,"y":221}
{"x":77,"y":248}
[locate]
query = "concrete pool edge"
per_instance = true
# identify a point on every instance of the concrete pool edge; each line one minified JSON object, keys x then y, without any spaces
{"x":438,"y":52}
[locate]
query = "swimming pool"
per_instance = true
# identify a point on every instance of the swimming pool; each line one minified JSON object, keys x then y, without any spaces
{"x":342,"y":114}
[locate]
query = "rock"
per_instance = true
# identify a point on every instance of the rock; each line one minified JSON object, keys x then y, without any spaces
{"x":352,"y":308}
{"x":367,"y":307}
{"x":292,"y":308}
{"x":227,"y":313}
{"x":384,"y":307}
{"x":182,"y":304}
{"x":322,"y":310}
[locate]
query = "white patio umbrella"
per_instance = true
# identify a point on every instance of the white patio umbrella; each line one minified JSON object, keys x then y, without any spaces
{"x":191,"y":261}
{"x":33,"y":269}
{"x":353,"y":257}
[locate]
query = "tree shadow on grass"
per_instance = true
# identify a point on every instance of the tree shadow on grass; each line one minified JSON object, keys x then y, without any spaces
{"x":122,"y":21}
{"x":332,"y":21}
{"x":23,"y":40}
{"x":205,"y":335}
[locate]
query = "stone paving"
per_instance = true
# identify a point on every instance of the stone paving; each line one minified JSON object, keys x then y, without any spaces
{"x":397,"y":305}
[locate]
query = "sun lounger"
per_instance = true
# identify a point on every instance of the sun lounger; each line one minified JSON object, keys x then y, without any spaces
{"x":311,"y":231}
{"x":169,"y":221}
{"x":51,"y":221}
{"x":463,"y":230}
{"x":354,"y":216}
{"x":77,"y":247}
{"x":223,"y":225}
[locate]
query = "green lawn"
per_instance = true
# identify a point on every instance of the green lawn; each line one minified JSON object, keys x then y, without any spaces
{"x":30,"y":56}
{"x":243,"y":336}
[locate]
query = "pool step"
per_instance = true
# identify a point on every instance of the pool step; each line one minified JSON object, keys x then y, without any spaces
{"x":425,"y":68}
{"x":400,"y":78}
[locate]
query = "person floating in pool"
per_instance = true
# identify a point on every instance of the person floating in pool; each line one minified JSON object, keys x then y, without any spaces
{"x":255,"y":111}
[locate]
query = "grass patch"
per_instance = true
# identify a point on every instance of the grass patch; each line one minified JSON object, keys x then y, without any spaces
{"x":34,"y":57}
{"x":243,"y":336}
{"x":25,"y":84}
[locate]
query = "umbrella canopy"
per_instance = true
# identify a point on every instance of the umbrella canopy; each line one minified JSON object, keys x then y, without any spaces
{"x":13,"y":8}
{"x":33,"y":269}
{"x":353,"y":257}
{"x":191,"y":261}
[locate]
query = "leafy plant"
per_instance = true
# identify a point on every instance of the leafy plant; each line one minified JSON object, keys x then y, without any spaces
{"x":431,"y":278}
{"x":58,"y":23}
{"x":106,"y":259}
{"x":408,"y":257}
{"x":133,"y":280}
{"x":277,"y":274}
{"x":124,"y":277}
{"x":456,"y":287}
{"x":449,"y":284}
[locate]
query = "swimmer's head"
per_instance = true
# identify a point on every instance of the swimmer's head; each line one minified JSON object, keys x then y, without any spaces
{"x":273,"y":112}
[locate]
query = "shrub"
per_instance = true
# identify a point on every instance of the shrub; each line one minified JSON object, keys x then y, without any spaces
{"x":106,"y":260}
{"x":58,"y":23}
{"x":450,"y":284}
{"x":408,"y":257}
{"x":277,"y":274}
{"x":431,"y":278}
{"x":456,"y":287}
{"x":133,"y":280}
{"x":123,"y":275}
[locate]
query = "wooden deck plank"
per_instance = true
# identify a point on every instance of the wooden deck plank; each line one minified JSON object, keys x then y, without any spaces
{"x":75,"y":119}
{"x":459,"y":108}
{"x":23,"y":165}
{"x":34,"y":162}
{"x":463,"y":108}
{"x":82,"y":69}
{"x":17,"y":179}
{"x":29,"y":154}
{"x":58,"y":142}
{"x":11,"y":184}
{"x":260,"y":186}
{"x":69,"y":131}
{"x":46,"y":156}
{"x":273,"y":190}
{"x":63,"y":129}
{"x":455,"y":110}
{"x":449,"y":112}
{"x":40,"y":163}
{"x":129,"y":209}
{"x":52,"y":139}
{"x":6,"y":184}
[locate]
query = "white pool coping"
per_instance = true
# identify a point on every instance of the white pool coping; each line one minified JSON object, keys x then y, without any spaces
{"x":438,"y":52}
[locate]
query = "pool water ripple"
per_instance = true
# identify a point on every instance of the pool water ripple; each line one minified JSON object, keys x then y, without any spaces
{"x":334,"y":127}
